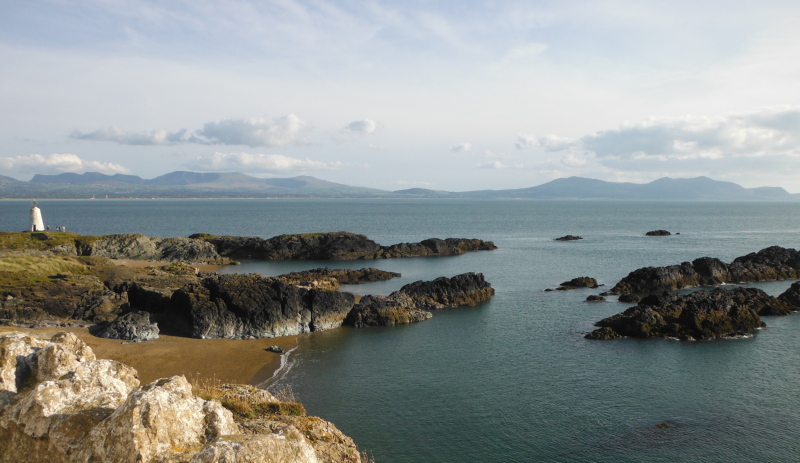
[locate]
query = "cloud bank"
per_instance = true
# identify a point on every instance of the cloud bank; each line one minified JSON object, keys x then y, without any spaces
{"x":56,"y":164}
{"x":253,"y":132}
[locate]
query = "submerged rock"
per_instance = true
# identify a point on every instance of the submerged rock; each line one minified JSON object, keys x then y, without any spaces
{"x":569,"y":238}
{"x":658,"y":233}
{"x":594,"y":298}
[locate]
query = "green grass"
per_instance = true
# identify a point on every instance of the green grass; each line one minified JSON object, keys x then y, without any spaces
{"x":42,"y":241}
{"x":39,"y":267}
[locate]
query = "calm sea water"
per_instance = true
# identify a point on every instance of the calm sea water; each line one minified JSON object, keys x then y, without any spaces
{"x":513,"y":380}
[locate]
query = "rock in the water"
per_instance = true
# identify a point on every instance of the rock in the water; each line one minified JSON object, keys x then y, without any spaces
{"x":132,"y":326}
{"x":398,"y":308}
{"x":580,"y":282}
{"x":694,"y":316}
{"x":569,"y":238}
{"x":773,"y":263}
{"x":460,"y":290}
{"x":326,"y":279}
{"x":594,"y":298}
{"x":792,"y":296}
{"x":413,"y":301}
{"x":275,"y":349}
{"x":336,"y":246}
{"x":603,"y":334}
{"x":658,"y":233}
{"x":629,"y":298}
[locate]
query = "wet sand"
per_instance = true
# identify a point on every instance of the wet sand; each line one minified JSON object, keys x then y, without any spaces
{"x":223,"y":360}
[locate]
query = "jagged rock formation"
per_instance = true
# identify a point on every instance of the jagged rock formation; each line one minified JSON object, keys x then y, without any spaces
{"x":141,"y":247}
{"x":698,"y":315}
{"x":327,"y":279}
{"x":335,"y":246}
{"x":413,"y":301}
{"x":773,"y":263}
{"x":59,"y":404}
{"x":132,"y":326}
{"x":250,"y":305}
{"x":395,"y":309}
{"x":569,"y":238}
{"x":628,"y":298}
{"x":658,"y":233}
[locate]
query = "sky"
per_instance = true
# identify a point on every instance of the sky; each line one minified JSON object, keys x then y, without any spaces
{"x":448,"y":95}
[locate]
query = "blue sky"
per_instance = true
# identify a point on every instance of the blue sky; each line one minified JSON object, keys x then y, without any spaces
{"x":436,"y":94}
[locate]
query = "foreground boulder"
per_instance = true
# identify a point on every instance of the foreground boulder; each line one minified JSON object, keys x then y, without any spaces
{"x":773,"y":263}
{"x":75,"y":408}
{"x":695,"y":316}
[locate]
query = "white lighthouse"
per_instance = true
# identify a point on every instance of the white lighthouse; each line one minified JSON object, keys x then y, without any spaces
{"x":37,"y":224}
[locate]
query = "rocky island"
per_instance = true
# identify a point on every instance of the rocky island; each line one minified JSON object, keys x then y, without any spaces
{"x":703,"y":314}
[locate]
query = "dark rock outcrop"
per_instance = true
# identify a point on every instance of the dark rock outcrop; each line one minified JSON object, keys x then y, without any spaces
{"x":658,"y":233}
{"x":249,"y":305}
{"x":792,"y":296}
{"x":413,"y":301}
{"x":330,"y":279}
{"x":132,"y":326}
{"x":461,"y":290}
{"x":141,"y":247}
{"x":580,"y":282}
{"x":629,"y":298}
{"x":335,"y":246}
{"x":569,"y":238}
{"x":595,"y":298}
{"x":398,"y":308}
{"x":694,"y":316}
{"x":773,"y":263}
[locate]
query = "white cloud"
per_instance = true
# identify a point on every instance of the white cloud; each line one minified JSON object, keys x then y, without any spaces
{"x":360,"y":128}
{"x":491,"y":165}
{"x":461,"y":147}
{"x":547,"y":142}
{"x":118,"y":135}
{"x":57,"y":163}
{"x":259,"y":163}
{"x":526,"y":51}
{"x":253,"y":131}
{"x":765,"y":133}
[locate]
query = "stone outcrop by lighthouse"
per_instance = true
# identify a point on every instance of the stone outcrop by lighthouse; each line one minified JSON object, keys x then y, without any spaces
{"x":37,"y":224}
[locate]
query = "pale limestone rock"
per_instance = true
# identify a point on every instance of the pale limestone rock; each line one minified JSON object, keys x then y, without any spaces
{"x":289,"y":446}
{"x":162,"y":421}
{"x":64,"y":352}
{"x":16,"y":356}
{"x":97,"y":384}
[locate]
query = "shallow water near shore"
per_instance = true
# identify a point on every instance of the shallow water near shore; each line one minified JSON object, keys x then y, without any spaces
{"x":513,"y":380}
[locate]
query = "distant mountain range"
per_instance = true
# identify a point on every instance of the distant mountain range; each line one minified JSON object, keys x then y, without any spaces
{"x":183,"y":184}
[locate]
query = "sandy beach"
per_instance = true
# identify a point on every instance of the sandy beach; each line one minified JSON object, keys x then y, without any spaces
{"x":224,"y":360}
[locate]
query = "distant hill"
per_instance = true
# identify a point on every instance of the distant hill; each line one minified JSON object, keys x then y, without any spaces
{"x":183,"y":184}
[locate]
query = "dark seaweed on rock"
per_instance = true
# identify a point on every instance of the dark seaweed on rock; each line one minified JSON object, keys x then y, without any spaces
{"x":773,"y":263}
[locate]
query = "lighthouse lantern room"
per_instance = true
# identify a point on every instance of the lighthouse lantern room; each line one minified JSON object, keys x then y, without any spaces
{"x":37,"y":224}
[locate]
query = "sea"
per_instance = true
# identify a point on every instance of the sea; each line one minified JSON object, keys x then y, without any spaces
{"x":513,"y":379}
